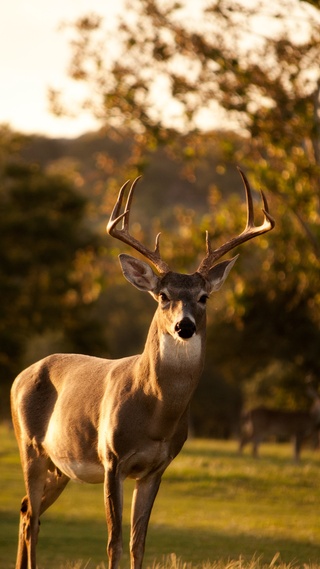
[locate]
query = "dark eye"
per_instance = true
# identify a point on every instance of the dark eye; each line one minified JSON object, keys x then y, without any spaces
{"x":203,"y":299}
{"x":163,"y":297}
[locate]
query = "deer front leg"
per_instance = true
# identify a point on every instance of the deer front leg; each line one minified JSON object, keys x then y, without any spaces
{"x":143,"y":498}
{"x":113,"y":490}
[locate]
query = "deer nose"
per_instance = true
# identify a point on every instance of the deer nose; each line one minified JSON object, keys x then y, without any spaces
{"x":185,"y":328}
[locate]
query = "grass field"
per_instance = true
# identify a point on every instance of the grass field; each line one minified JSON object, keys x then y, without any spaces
{"x":215,"y":508}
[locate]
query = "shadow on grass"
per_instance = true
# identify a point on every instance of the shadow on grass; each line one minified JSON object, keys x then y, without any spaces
{"x":73,"y":539}
{"x":201,"y":545}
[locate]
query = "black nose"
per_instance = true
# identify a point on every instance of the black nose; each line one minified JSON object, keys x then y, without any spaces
{"x":185,"y":328}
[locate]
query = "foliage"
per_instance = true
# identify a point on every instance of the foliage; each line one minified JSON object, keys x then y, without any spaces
{"x":268,"y":86}
{"x":44,"y":257}
{"x":196,"y":58}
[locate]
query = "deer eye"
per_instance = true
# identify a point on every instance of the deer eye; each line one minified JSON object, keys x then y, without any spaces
{"x":164,"y":297}
{"x":203,"y":299}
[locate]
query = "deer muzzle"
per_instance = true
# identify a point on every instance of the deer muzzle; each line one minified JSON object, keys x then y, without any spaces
{"x":185,"y":328}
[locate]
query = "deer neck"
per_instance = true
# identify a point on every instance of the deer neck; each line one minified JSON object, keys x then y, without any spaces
{"x":171,"y":370}
{"x":173,"y":365}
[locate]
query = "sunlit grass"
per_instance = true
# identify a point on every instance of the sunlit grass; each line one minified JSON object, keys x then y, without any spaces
{"x":174,"y":562}
{"x":215,"y":509}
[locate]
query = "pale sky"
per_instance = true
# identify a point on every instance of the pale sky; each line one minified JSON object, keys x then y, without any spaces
{"x":34,"y":55}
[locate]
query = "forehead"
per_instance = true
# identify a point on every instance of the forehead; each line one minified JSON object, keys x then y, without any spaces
{"x":176,"y":283}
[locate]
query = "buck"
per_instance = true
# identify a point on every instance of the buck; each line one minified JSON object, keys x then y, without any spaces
{"x":261,"y":423}
{"x":100,"y":421}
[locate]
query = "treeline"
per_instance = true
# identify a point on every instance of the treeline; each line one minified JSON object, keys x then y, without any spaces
{"x":61,"y":287}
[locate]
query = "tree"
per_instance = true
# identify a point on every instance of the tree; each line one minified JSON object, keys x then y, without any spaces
{"x":45,"y":249}
{"x":256,"y":67}
{"x":183,"y":66}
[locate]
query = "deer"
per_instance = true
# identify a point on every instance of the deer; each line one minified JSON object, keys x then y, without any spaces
{"x":261,"y":423}
{"x":95,"y":420}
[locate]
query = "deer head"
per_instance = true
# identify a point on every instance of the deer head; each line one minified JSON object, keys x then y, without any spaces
{"x":163,"y":284}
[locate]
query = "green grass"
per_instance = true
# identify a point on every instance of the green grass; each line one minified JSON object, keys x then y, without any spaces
{"x":213,"y":506}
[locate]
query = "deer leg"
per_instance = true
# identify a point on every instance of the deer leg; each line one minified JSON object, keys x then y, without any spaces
{"x":255,"y":447}
{"x":143,"y":498}
{"x":244,"y":440}
{"x":35,"y":471}
{"x":113,"y":489}
{"x":297,"y":444}
{"x":22,"y":555}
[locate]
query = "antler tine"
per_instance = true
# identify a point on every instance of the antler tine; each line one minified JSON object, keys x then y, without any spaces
{"x":249,"y":232}
{"x":250,"y":212}
{"x":123,"y":233}
{"x":268,"y":221}
{"x":115,"y":217}
{"x":125,"y":222}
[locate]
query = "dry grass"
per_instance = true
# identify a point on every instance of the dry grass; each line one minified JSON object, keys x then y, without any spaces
{"x":174,"y":562}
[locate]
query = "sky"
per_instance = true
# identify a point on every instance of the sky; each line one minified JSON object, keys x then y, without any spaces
{"x":34,"y":56}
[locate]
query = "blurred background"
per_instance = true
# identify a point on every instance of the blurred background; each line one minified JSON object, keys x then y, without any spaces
{"x":182,"y":93}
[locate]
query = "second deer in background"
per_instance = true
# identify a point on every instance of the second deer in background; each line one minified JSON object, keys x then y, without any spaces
{"x":262,"y":423}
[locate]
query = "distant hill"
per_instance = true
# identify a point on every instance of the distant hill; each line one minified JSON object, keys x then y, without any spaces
{"x":97,"y":156}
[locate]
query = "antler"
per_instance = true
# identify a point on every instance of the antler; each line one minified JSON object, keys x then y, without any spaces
{"x":250,"y":231}
{"x":211,"y":255}
{"x":123,"y":233}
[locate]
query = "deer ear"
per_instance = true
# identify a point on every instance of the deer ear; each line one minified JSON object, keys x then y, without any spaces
{"x":218,"y":274}
{"x":138,"y":273}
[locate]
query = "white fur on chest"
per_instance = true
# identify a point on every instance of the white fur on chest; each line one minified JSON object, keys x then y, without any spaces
{"x":180,"y":352}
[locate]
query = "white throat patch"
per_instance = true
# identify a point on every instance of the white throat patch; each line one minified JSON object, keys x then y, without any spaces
{"x":175,"y":350}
